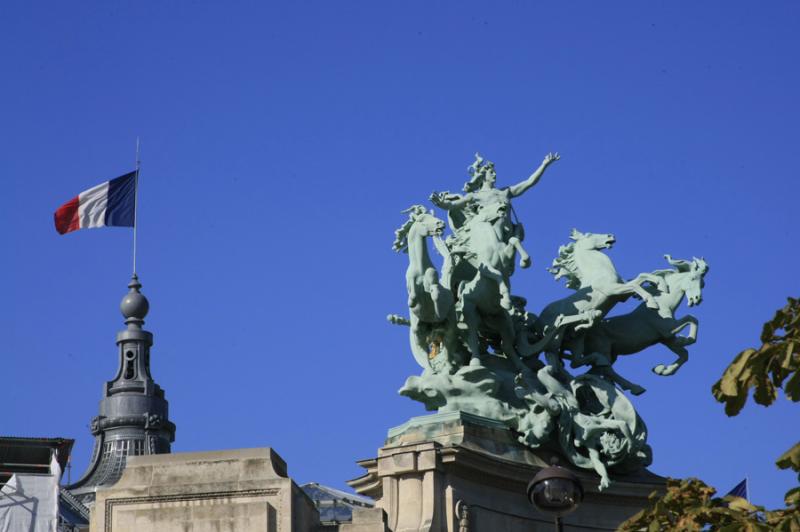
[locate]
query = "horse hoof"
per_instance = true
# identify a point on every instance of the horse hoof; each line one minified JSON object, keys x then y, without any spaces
{"x":525,"y":263}
{"x":659,"y":370}
{"x":638,"y":390}
{"x":475,"y":362}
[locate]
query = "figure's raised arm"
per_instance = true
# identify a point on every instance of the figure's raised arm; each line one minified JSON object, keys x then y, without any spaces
{"x":447,"y":201}
{"x":520,"y":188}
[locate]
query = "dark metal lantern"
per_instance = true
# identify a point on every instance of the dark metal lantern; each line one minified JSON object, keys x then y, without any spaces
{"x":555,"y":491}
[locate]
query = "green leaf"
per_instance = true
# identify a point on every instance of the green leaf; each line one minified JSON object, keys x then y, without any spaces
{"x":768,"y":330}
{"x":765,"y":392}
{"x":739,"y":504}
{"x":792,"y":387}
{"x":729,"y":383}
{"x":765,"y":369}
{"x":789,"y":356}
{"x":790,"y":459}
{"x":792,"y":497}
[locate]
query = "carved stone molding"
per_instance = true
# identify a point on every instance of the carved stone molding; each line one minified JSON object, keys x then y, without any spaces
{"x":182,"y":497}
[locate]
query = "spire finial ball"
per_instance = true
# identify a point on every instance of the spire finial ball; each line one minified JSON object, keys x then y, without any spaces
{"x":134,"y":304}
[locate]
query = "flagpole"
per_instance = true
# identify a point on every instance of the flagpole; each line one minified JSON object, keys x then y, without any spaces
{"x":135,"y":203}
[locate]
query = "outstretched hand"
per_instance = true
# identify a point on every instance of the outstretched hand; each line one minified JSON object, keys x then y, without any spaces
{"x":550,"y":158}
{"x":437,"y":198}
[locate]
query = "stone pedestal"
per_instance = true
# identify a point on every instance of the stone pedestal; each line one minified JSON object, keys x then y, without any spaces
{"x":244,"y":490}
{"x":455,"y":472}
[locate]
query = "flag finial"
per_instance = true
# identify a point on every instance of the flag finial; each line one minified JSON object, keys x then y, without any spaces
{"x":134,"y":305}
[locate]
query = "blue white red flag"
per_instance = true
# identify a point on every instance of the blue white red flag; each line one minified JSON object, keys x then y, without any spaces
{"x":107,"y":204}
{"x":739,"y":490}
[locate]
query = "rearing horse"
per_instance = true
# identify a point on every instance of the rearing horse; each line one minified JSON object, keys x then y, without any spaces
{"x":430,"y":303}
{"x":638,"y":330}
{"x":481,"y":279}
{"x":598,"y":287}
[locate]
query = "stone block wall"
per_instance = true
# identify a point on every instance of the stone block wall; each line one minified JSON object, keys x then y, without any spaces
{"x":244,"y":490}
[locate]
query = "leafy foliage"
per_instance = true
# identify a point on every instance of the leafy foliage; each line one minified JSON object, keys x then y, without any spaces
{"x":791,"y":460}
{"x":690,"y":504}
{"x":765,"y":369}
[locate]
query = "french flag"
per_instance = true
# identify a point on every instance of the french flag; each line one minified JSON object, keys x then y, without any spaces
{"x":109,"y":203}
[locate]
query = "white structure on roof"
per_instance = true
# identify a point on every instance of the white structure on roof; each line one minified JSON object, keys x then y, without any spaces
{"x":29,"y":501}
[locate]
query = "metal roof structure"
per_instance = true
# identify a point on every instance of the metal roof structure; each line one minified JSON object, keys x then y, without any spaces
{"x":335,"y":506}
{"x":31,"y":455}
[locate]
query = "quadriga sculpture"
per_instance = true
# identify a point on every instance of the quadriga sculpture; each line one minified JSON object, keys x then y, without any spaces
{"x":479,"y":346}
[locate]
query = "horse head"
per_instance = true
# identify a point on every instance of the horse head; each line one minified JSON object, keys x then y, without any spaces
{"x":692,"y":280}
{"x":587,"y":241}
{"x":428,"y":225}
{"x":493,"y":212}
{"x":421,"y":222}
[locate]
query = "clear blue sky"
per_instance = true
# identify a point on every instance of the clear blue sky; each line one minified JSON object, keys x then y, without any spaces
{"x":280,"y":143}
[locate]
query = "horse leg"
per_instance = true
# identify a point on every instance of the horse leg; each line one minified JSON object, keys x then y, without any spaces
{"x":502,"y":286}
{"x":601,"y":351}
{"x":529,"y":352}
{"x":609,"y":373}
{"x":552,"y":350}
{"x":676,"y":346}
{"x":584,"y":360}
{"x":524,"y":258}
{"x":683,"y":322}
{"x":472,"y":321}
{"x":584,"y":319}
{"x":507,"y":339}
{"x":576,"y":347}
{"x":636,"y":288}
{"x":657,"y":280}
{"x":522,"y":344}
{"x":440,"y":296}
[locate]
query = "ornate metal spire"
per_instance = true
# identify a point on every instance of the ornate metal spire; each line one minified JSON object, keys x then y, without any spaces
{"x":134,"y":415}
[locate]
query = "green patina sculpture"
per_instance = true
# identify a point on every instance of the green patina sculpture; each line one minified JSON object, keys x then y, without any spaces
{"x":479,"y":347}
